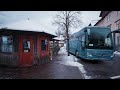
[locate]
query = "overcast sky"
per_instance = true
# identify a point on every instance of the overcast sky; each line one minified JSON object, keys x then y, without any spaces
{"x":45,"y":18}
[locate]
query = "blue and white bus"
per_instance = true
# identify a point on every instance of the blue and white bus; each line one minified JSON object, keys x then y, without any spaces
{"x":92,"y":43}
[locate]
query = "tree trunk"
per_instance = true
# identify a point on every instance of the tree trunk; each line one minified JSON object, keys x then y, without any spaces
{"x":67,"y":40}
{"x":67,"y":27}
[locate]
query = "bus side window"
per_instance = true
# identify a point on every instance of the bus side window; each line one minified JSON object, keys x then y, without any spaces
{"x":83,"y":40}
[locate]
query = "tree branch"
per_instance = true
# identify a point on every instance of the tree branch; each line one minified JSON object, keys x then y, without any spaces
{"x":73,"y":14}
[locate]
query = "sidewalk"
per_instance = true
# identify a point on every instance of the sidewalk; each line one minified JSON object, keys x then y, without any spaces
{"x":71,"y":61}
{"x":65,"y":67}
{"x":61,"y":67}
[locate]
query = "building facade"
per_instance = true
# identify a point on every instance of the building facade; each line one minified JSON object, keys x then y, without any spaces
{"x":111,"y":19}
{"x":24,"y":48}
{"x":24,"y":44}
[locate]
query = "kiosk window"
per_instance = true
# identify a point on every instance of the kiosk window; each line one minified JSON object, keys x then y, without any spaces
{"x":6,"y":44}
{"x":26,"y":46}
{"x":44,"y":45}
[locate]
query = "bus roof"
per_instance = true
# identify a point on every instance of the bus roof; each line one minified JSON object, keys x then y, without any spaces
{"x":91,"y":27}
{"x":95,"y":27}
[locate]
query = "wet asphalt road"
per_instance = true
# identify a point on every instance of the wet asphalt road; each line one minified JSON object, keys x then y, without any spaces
{"x":52,"y":70}
{"x":102,"y":69}
{"x":55,"y":69}
{"x":65,"y":67}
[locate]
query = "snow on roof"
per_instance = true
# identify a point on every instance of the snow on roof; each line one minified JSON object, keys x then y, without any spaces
{"x":26,"y":25}
{"x":59,"y":38}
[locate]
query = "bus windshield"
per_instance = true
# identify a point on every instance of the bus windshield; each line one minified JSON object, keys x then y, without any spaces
{"x":97,"y":38}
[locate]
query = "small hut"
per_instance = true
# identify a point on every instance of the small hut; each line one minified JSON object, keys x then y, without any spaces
{"x":60,"y":40}
{"x":24,"y":44}
{"x":56,"y":47}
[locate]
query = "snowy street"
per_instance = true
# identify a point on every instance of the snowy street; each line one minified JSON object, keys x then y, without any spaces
{"x":92,"y":69}
{"x":72,"y":61}
{"x":66,"y":67}
{"x":61,"y":67}
{"x":33,"y":44}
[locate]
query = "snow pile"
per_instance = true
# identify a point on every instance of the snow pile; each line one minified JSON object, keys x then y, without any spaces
{"x":61,"y":38}
{"x":72,"y":61}
{"x":116,"y":52}
{"x":63,"y":50}
{"x":115,"y":77}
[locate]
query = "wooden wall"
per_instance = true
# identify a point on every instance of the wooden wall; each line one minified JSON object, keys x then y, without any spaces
{"x":44,"y":56}
{"x":9,"y":59}
{"x":40,"y":57}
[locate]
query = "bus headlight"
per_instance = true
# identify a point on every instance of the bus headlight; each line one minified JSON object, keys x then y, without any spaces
{"x":89,"y":55}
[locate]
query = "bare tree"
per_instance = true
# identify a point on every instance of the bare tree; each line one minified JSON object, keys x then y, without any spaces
{"x":66,"y":20}
{"x":58,"y":33}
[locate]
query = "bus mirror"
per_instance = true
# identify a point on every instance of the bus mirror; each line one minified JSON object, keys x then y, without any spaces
{"x":109,"y":35}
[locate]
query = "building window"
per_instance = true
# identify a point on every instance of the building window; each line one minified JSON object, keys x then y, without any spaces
{"x":83,"y":40}
{"x":26,"y":46}
{"x":6,"y":44}
{"x":44,"y":44}
{"x":118,"y":24}
{"x":108,"y":18}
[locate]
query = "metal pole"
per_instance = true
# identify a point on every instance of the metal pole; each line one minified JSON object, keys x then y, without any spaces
{"x":114,"y":45}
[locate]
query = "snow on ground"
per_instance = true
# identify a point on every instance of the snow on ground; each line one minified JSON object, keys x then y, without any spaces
{"x":115,"y":77}
{"x":72,"y":61}
{"x":116,"y":52}
{"x":77,"y":64}
{"x":59,"y":38}
{"x":63,"y":50}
